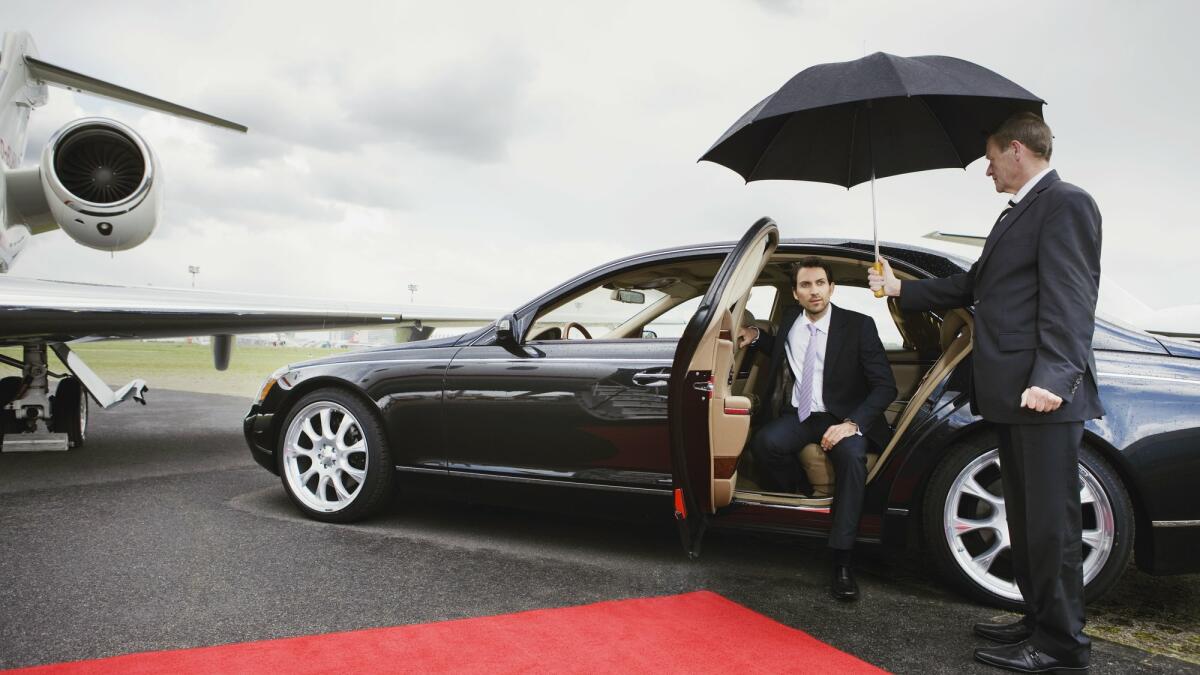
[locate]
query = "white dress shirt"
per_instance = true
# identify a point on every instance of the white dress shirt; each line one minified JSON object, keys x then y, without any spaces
{"x":1029,"y":185}
{"x":797,"y":344}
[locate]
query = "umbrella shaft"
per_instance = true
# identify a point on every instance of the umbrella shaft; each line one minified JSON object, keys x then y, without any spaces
{"x":871,"y":158}
{"x":874,"y":219}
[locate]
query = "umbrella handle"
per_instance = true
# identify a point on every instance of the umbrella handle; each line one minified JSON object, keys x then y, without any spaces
{"x":877,"y":268}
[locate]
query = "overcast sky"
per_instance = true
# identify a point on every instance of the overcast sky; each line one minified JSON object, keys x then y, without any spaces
{"x":488,"y":150}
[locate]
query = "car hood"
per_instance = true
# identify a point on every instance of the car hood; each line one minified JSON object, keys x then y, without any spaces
{"x":376,"y":353}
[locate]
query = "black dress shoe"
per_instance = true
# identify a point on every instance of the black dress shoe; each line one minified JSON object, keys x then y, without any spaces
{"x":1025,"y":658}
{"x":844,"y":587}
{"x":1008,"y":633}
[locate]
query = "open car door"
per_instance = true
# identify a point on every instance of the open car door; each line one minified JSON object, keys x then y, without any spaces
{"x":709,"y":425}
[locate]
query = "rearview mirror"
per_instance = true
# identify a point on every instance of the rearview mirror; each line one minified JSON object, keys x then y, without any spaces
{"x":630,"y":297}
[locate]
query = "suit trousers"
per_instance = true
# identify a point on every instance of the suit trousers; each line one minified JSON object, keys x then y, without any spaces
{"x":1040,"y":475}
{"x":776,"y":449}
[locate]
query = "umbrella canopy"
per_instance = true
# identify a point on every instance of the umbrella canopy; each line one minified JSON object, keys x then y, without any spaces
{"x":881,"y":115}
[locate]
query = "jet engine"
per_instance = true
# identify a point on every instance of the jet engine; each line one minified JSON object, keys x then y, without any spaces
{"x":102,"y":184}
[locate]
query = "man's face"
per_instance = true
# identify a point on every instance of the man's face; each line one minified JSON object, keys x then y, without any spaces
{"x":1003,"y":167}
{"x":812,"y":289}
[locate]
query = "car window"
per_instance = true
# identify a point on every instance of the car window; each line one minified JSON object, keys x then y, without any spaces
{"x":672,"y":322}
{"x":599,"y":311}
{"x":860,"y":299}
{"x":762,"y":299}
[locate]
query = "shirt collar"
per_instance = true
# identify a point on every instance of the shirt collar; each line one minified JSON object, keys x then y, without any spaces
{"x":823,"y":323}
{"x":1029,"y":185}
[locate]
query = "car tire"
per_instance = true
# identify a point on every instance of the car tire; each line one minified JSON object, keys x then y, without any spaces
{"x":333,"y":457}
{"x":957,"y":537}
{"x":69,"y":411}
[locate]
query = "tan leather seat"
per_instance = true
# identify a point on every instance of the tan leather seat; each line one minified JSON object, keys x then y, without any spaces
{"x":955,"y":341}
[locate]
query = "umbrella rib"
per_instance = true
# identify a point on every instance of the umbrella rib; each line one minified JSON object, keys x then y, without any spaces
{"x":943,"y":128}
{"x":763,"y":154}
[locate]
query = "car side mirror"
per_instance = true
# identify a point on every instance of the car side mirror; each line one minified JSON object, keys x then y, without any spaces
{"x":504,"y":330}
{"x":649,"y":335}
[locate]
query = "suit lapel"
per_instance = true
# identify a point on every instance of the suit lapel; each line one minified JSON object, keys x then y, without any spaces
{"x":779,"y":353}
{"x":1007,"y":222}
{"x":789,"y":318}
{"x":834,"y":341}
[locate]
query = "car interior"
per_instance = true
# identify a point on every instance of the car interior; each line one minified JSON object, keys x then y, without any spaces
{"x":656,"y":302}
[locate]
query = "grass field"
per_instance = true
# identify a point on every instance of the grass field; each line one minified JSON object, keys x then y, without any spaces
{"x":177,"y":365}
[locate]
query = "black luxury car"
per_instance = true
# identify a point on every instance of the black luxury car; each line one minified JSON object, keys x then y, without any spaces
{"x":628,"y":379}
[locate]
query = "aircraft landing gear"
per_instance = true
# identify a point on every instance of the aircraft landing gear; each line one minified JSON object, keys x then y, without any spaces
{"x":10,"y":389}
{"x":35,"y":420}
{"x":69,"y":411}
{"x":26,"y":412}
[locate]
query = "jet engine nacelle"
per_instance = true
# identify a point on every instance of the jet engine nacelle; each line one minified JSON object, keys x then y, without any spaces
{"x":102,"y":184}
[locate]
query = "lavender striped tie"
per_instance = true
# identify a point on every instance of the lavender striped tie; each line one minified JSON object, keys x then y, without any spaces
{"x":804,"y":394}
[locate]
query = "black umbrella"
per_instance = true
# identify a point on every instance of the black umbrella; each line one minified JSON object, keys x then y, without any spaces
{"x":881,"y":115}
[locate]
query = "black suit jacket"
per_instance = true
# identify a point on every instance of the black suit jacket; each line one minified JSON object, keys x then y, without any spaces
{"x":857,"y":383}
{"x":1034,"y":288}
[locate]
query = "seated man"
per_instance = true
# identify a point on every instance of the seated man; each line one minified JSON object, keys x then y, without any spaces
{"x":843,"y":384}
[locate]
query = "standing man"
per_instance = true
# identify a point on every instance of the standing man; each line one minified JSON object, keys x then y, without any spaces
{"x":1034,"y":290}
{"x":843,"y":383}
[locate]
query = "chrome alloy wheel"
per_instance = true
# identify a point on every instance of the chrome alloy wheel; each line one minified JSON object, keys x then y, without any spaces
{"x":325,"y":457}
{"x":976,"y":530}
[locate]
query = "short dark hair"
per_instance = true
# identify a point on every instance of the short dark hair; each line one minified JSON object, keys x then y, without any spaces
{"x":1028,"y":128}
{"x":811,"y":261}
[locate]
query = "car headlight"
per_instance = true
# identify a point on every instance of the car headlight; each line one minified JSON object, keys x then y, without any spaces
{"x":274,"y":378}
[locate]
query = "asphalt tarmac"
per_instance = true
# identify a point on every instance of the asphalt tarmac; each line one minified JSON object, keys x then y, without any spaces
{"x":162,"y":533}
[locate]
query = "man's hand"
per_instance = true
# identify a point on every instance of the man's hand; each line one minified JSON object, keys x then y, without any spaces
{"x":1040,"y":400}
{"x":746,"y":335}
{"x":835,"y":434}
{"x":888,"y":281}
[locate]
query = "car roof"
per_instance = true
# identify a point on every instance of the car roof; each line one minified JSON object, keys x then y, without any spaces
{"x":939,"y":263}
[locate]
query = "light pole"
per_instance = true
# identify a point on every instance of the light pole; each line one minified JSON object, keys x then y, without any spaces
{"x":412,"y":292}
{"x":193,"y":270}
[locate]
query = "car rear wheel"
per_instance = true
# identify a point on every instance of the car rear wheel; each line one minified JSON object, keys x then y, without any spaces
{"x":967,"y":534}
{"x":333,"y":458}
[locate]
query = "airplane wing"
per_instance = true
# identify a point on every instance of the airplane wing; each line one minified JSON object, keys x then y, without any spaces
{"x":69,"y":79}
{"x":968,"y":239}
{"x":38,"y":315}
{"x":58,"y":311}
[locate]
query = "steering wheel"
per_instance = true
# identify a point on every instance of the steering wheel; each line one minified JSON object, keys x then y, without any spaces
{"x":582,"y":331}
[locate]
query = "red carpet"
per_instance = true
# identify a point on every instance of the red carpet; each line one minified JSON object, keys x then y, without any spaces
{"x":692,"y":633}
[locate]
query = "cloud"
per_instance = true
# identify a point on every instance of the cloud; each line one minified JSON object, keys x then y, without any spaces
{"x":490,"y":150}
{"x":468,"y":110}
{"x":781,"y":6}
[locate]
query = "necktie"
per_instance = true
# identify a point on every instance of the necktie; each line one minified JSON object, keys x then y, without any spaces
{"x":804,"y":395}
{"x":1003,"y":213}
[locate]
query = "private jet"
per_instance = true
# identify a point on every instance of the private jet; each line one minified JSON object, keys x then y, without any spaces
{"x":100,"y":182}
